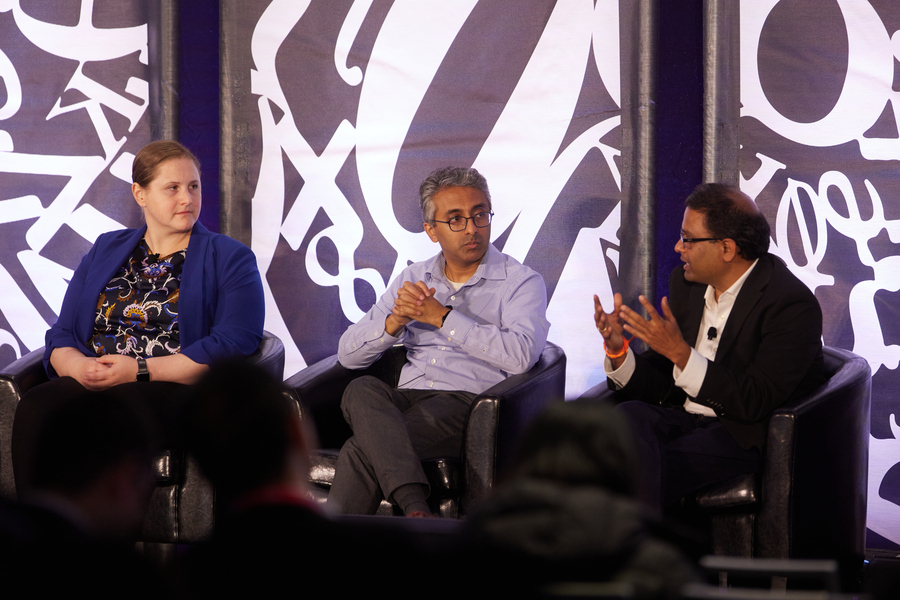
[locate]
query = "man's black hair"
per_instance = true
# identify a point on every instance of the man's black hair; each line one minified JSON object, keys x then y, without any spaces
{"x":236,"y":424}
{"x":581,"y":442}
{"x":726,"y":218}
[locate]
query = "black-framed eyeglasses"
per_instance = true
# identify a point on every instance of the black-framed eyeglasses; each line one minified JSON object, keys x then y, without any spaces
{"x":687,"y":241}
{"x":459,"y":223}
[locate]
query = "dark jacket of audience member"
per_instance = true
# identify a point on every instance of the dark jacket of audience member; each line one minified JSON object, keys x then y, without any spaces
{"x":567,"y":512}
{"x":74,"y":531}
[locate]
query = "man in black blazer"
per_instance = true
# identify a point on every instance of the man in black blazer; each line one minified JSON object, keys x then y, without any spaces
{"x":740,"y":336}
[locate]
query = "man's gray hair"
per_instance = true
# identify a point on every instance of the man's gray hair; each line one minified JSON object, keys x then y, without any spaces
{"x":446,"y":177}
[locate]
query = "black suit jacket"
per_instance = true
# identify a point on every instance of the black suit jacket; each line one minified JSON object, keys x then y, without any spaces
{"x":769,"y":352}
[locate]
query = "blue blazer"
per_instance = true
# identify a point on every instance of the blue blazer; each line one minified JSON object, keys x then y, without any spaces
{"x":221,"y":308}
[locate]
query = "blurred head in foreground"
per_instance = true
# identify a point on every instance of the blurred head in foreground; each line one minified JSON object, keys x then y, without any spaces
{"x":579,"y":443}
{"x":244,"y":432}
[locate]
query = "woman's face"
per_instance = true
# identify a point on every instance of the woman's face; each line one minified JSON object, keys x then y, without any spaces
{"x":171,"y":202}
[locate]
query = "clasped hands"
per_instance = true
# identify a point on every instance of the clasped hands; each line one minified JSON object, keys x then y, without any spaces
{"x":105,"y":371}
{"x":415,"y":302}
{"x":660,"y":331}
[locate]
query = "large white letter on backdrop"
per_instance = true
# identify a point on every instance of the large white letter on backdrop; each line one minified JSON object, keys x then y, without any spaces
{"x":820,"y":153}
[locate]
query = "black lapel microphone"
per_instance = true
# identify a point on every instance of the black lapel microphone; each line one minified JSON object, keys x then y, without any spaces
{"x":712,"y":333}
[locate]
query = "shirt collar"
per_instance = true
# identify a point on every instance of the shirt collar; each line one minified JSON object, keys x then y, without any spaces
{"x":732,"y":292}
{"x":492,"y":267}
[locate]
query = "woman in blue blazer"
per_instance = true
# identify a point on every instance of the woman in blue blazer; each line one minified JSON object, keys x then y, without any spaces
{"x":149,"y":309}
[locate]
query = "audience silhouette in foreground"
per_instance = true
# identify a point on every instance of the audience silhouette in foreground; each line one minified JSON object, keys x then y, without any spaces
{"x":567,"y":511}
{"x":75,"y":526}
{"x":270,"y":539}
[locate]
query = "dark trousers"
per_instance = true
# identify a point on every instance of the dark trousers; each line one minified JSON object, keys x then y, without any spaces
{"x":681,"y":452}
{"x":393,"y":431}
{"x":158,"y":402}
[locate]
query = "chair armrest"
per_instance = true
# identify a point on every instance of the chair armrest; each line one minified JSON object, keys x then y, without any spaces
{"x":522,"y":397}
{"x":321,"y":382}
{"x":16,"y":378}
{"x":848,"y":372}
{"x":25,"y":372}
{"x":600,"y":391}
{"x":319,"y":376}
{"x":269,"y":355}
{"x":319,"y":389}
{"x":498,"y":416}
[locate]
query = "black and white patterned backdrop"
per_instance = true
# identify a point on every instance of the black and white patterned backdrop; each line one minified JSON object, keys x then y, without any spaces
{"x":336,"y":110}
{"x":72,"y":114}
{"x":354,"y":103}
{"x":820,"y":97}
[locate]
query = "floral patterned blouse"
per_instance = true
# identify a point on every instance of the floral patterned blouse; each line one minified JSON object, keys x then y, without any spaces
{"x":137,"y":313}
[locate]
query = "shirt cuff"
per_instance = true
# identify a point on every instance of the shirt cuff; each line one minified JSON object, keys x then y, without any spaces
{"x":622,"y":375}
{"x":456,"y":327}
{"x":375,"y":336}
{"x":389,"y":340}
{"x":690,"y":379}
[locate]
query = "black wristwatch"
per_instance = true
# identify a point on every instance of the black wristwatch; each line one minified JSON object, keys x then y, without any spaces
{"x":444,"y":318}
{"x":143,"y":374}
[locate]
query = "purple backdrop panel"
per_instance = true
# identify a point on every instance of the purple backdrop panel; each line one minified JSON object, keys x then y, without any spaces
{"x":352,"y":104}
{"x":820,"y":154}
{"x":76,"y":95}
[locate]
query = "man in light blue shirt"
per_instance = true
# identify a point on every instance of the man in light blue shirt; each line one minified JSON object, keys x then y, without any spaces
{"x":469,"y":317}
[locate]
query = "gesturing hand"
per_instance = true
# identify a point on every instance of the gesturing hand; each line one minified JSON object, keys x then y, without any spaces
{"x":608,"y":324}
{"x":610,"y":327}
{"x":660,"y":332}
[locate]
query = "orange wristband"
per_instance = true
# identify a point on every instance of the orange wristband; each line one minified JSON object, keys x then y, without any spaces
{"x":621,"y":353}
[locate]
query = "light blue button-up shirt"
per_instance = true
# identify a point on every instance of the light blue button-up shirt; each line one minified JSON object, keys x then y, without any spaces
{"x":498,"y":327}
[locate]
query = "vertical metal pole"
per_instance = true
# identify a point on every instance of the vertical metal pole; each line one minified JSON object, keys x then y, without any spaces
{"x":164,"y":35}
{"x":234,"y":102}
{"x":721,"y":90}
{"x":638,"y":32}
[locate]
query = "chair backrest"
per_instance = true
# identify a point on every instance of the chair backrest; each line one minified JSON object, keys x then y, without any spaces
{"x":16,"y":378}
{"x":500,"y":414}
{"x":816,"y":466}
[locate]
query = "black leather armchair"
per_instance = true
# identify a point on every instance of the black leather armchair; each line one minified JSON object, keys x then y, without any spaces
{"x":495,"y":419}
{"x":182,"y":506}
{"x":809,"y":501}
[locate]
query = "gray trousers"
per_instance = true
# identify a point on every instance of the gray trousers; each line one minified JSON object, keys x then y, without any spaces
{"x":393,"y":431}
